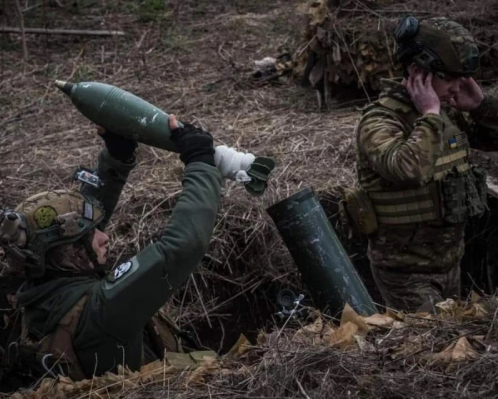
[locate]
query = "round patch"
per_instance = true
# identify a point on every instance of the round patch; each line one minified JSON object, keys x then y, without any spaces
{"x":44,"y":216}
{"x":122,"y":269}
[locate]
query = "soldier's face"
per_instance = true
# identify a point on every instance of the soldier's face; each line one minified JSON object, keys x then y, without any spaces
{"x":446,"y":88}
{"x":99,"y":245}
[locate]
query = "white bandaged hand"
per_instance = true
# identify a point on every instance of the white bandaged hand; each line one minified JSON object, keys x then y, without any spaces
{"x":233,"y":164}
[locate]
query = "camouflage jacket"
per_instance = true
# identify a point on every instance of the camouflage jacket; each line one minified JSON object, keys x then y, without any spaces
{"x":393,"y":156}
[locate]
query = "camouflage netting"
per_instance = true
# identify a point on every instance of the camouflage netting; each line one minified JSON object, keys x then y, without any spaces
{"x":349,"y":42}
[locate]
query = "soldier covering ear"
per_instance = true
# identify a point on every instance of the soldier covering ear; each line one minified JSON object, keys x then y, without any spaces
{"x":413,"y":147}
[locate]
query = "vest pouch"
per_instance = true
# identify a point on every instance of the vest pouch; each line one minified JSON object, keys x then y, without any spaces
{"x":453,"y":190}
{"x":477,"y":190}
{"x":357,"y":212}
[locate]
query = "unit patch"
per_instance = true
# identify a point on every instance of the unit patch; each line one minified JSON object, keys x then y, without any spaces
{"x":121,"y":270}
{"x":453,"y":143}
{"x":44,"y":216}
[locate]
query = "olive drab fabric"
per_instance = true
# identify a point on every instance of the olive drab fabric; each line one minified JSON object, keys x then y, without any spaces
{"x":439,"y":45}
{"x":417,"y":174}
{"x":356,"y":212}
{"x":111,"y":325}
{"x":57,"y":348}
{"x":461,"y":55}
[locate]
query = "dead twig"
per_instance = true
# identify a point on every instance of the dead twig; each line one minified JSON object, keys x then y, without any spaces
{"x":41,"y":31}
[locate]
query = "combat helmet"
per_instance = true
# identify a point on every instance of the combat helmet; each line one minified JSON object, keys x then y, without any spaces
{"x":45,"y":221}
{"x":438,"y":44}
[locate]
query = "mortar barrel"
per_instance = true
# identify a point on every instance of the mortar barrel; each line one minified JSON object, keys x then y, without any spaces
{"x":319,"y":255}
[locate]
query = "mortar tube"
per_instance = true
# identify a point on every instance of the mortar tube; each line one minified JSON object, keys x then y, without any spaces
{"x":324,"y":265}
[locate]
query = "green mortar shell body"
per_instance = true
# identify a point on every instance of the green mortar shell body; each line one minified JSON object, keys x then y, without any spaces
{"x":123,"y":113}
{"x":320,"y":257}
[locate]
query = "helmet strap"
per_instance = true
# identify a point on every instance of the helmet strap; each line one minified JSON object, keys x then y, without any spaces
{"x":87,"y":244}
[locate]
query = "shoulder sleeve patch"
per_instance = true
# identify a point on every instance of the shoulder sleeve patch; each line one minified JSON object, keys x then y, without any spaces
{"x":121,"y":271}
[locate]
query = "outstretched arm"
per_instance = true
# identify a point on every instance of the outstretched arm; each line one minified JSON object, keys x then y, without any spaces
{"x":115,"y":163}
{"x":139,"y":287}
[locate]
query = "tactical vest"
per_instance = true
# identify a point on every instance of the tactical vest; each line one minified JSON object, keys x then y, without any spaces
{"x":457,"y":189}
{"x":54,"y":354}
{"x":51,"y":356}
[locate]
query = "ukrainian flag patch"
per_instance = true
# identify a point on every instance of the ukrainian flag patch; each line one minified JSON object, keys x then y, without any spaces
{"x":453,"y":143}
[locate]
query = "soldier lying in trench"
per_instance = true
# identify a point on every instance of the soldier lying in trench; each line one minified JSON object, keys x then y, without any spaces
{"x":77,"y":319}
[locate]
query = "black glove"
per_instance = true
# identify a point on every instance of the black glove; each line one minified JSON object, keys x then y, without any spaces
{"x":195,"y":144}
{"x":119,"y":148}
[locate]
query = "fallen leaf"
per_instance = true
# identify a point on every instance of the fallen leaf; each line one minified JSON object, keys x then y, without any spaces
{"x":448,"y":305}
{"x":342,"y":338}
{"x":461,"y":350}
{"x":349,"y":315}
{"x":379,"y":320}
{"x":395,"y":314}
{"x":241,"y":346}
{"x":476,"y":311}
{"x":262,"y":338}
{"x":327,"y":331}
{"x":310,"y":329}
{"x":197,"y":376}
{"x":151,"y":367}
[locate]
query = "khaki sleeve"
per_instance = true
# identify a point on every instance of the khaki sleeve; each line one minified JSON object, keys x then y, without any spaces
{"x":396,"y":155}
{"x":142,"y":285}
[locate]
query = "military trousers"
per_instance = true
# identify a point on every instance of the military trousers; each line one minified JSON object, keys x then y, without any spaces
{"x":416,"y":264}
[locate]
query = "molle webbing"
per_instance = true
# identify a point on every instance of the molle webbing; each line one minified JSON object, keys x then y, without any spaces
{"x":407,"y":206}
{"x":422,"y":204}
{"x":449,"y":160}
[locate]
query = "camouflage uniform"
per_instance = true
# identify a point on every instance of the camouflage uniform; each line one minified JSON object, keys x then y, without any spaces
{"x":399,"y":150}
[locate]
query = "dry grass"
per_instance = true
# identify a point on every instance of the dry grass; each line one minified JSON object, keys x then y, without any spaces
{"x":197,"y":63}
{"x":414,"y":356}
{"x":195,"y":59}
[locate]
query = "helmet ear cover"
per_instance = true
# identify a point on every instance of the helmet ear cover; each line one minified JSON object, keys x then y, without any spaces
{"x":407,"y":29}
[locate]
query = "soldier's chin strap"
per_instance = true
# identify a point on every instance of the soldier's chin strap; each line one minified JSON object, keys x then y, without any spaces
{"x":99,"y":269}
